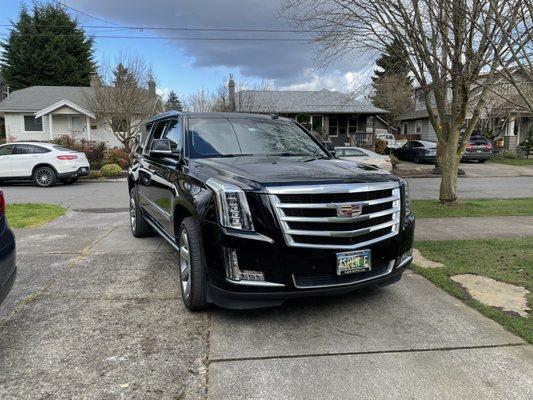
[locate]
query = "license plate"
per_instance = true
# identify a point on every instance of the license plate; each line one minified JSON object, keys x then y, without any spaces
{"x":352,"y":262}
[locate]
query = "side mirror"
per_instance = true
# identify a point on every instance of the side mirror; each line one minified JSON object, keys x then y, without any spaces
{"x":161,"y":148}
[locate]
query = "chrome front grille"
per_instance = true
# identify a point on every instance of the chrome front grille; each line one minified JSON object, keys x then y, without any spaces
{"x":309,"y":215}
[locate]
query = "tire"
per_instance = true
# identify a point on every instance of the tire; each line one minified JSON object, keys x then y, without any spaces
{"x":417,"y":158}
{"x":70,"y":181}
{"x":45,"y":176}
{"x":482,"y":161}
{"x":139,"y":226}
{"x":192,"y":269}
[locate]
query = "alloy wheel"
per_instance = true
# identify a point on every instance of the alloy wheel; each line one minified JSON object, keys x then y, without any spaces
{"x":44,"y":177}
{"x":185,"y":263}
{"x":133,"y":213}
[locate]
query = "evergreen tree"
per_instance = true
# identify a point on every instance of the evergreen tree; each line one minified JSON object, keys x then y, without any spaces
{"x":46,"y":47}
{"x":124,"y":77}
{"x":173,"y":102}
{"x":392,"y":83}
{"x":393,"y":61}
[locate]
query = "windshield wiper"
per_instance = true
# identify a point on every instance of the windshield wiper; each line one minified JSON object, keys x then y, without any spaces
{"x":317,"y":157}
{"x":230,"y":155}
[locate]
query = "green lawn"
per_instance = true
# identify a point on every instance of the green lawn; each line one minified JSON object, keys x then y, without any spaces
{"x":473,"y":208}
{"x":511,"y":161}
{"x":506,"y":260}
{"x":32,"y":215}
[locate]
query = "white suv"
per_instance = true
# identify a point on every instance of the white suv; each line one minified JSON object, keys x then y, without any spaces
{"x":44,"y":163}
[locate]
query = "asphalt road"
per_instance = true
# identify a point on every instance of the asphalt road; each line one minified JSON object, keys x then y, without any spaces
{"x":113,"y":196}
{"x":96,"y":314}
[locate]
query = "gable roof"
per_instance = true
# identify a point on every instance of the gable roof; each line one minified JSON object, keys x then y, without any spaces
{"x":288,"y":101}
{"x":37,"y":98}
{"x":64,"y":103}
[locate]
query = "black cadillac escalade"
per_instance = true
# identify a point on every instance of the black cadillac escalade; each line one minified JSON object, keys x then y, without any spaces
{"x":260,"y":212}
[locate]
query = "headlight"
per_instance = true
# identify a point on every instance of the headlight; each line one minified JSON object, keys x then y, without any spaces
{"x":232,"y":206}
{"x":406,"y":197}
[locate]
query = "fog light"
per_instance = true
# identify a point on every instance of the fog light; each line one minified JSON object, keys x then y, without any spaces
{"x":233,"y":271}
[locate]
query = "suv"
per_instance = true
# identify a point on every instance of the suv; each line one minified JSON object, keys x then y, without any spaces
{"x":260,"y":212}
{"x":478,"y":148}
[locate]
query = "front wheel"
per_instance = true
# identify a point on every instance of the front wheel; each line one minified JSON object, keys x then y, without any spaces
{"x":45,"y":176}
{"x":139,"y":226}
{"x":192,"y":266}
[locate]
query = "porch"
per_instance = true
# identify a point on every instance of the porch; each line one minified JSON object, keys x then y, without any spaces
{"x":65,"y":118}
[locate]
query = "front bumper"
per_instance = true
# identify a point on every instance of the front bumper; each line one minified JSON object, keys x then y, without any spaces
{"x":285,"y":266}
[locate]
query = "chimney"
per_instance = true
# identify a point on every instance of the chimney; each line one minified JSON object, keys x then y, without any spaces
{"x":231,"y":87}
{"x":151,"y":86}
{"x":94,"y":79}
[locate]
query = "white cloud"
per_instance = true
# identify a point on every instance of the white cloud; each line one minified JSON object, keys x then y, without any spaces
{"x":163,"y":92}
{"x":336,"y":80}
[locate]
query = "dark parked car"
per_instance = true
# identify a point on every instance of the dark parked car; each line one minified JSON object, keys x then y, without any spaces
{"x":260,"y":212}
{"x":479,"y":148}
{"x":8,"y":268}
{"x":417,"y":151}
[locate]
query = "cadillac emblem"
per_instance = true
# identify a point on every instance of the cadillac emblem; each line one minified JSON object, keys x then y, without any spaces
{"x":349,"y":210}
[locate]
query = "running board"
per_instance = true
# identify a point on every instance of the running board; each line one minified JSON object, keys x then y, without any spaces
{"x":161,"y":232}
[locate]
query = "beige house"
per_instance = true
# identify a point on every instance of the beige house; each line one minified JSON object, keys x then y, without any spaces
{"x":41,"y":113}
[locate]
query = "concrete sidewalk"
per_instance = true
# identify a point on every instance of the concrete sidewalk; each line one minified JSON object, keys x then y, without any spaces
{"x":473,"y":228}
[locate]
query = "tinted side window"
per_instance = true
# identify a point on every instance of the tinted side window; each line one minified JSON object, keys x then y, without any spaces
{"x":6,"y":150}
{"x":157,"y":132}
{"x":40,"y":150}
{"x":173,"y":134}
{"x":23,"y":149}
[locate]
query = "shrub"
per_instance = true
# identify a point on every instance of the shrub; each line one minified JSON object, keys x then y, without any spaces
{"x":381,"y":146}
{"x":510,"y":155}
{"x":117,"y":156}
{"x":111,"y":170}
{"x":93,"y":150}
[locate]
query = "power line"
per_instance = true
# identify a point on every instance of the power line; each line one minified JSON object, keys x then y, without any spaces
{"x":5,"y":35}
{"x":156,"y":28}
{"x":86,"y":14}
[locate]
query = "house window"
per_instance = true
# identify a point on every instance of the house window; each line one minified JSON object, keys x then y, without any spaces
{"x":333,"y":129}
{"x":316,"y":123}
{"x":418,"y":127}
{"x":405,"y":128}
{"x":32,"y":124}
{"x":304,"y":120}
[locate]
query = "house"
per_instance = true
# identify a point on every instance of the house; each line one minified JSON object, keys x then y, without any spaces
{"x":503,"y":118}
{"x":335,"y":115}
{"x":42,"y":113}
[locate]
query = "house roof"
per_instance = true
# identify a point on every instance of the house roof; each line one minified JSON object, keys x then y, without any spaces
{"x":288,"y":101}
{"x":37,"y":98}
{"x":418,"y":114}
{"x":64,"y":103}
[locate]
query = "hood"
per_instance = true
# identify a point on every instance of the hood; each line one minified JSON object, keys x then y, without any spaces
{"x":259,"y":172}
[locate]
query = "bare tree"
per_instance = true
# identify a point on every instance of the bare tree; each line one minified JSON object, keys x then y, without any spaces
{"x":200,"y":101}
{"x":124,"y":97}
{"x":449,"y":54}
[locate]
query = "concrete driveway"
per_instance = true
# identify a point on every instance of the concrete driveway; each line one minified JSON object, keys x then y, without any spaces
{"x":96,"y":314}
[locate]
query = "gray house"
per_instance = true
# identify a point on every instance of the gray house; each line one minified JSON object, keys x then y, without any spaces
{"x":333,"y":114}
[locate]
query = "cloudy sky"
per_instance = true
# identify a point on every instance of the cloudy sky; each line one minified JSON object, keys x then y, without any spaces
{"x":187,"y":65}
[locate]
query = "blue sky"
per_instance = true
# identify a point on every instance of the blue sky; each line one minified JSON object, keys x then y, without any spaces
{"x":186,"y":66}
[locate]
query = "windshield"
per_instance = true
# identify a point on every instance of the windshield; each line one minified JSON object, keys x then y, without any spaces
{"x":228,"y":137}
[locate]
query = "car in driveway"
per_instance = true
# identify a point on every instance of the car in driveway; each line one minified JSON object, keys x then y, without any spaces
{"x":8,"y":269}
{"x":44,"y":163}
{"x":418,"y":151}
{"x":259,"y":211}
{"x":478,"y":148}
{"x":366,"y":156}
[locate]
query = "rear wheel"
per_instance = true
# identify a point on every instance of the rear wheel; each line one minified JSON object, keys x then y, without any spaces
{"x":45,"y":176}
{"x":139,"y":226}
{"x":192,"y":266}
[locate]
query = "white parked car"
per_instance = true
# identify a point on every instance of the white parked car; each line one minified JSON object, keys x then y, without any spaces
{"x":365,"y":156}
{"x":46,"y":164}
